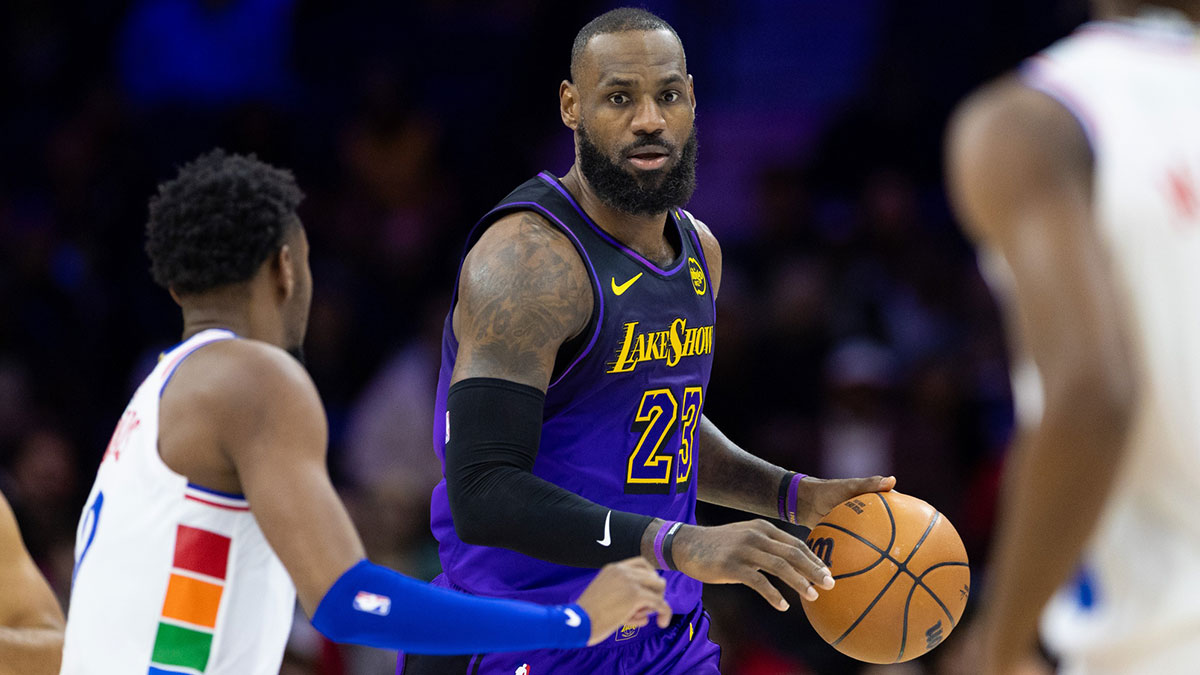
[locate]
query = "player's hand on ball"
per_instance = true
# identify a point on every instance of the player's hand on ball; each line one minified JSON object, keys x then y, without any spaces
{"x":816,"y":497}
{"x":624,"y":593}
{"x":739,"y":553}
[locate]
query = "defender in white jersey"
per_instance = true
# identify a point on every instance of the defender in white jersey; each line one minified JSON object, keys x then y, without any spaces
{"x":212,"y":498}
{"x":182,"y":578}
{"x":1080,"y":178}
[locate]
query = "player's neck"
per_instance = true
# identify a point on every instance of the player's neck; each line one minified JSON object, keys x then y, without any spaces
{"x":644,"y":234}
{"x":201,"y":313}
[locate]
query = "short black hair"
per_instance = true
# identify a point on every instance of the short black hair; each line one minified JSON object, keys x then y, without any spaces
{"x":616,"y":21}
{"x":218,"y":220}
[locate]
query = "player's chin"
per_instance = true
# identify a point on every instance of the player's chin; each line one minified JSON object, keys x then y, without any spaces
{"x":649,"y":179}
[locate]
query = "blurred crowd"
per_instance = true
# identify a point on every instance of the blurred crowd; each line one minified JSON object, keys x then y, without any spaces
{"x":854,"y":337}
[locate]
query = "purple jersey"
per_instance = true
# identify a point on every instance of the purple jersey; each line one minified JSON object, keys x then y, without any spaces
{"x":623,"y":404}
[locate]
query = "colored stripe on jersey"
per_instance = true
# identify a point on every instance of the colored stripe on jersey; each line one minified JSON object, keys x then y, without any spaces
{"x":214,"y":498}
{"x":193,"y":600}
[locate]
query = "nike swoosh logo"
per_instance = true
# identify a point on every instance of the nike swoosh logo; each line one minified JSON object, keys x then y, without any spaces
{"x":617,"y":290}
{"x":573,"y":619}
{"x":607,"y":520}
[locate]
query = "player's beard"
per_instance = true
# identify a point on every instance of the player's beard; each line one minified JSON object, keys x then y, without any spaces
{"x":645,"y":194}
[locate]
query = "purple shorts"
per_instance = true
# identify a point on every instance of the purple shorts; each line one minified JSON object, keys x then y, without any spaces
{"x":682,"y":647}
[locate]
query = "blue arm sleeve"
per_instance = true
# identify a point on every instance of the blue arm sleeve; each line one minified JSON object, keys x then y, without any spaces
{"x":375,"y":606}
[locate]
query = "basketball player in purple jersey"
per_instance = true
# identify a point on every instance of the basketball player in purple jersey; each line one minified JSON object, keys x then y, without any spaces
{"x":575,"y":367}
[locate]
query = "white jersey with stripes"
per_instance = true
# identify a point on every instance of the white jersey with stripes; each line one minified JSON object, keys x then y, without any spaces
{"x":171,"y":577}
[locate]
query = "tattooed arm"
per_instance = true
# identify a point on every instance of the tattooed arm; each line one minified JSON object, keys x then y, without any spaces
{"x":522,"y":293}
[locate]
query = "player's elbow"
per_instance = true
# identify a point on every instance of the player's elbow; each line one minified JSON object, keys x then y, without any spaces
{"x":475,"y":517}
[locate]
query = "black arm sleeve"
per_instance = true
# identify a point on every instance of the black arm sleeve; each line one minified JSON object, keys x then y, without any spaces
{"x":494,"y":428}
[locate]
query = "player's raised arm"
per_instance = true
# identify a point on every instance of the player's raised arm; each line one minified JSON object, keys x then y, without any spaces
{"x":268,"y":419}
{"x":31,"y":623}
{"x":1020,"y":174}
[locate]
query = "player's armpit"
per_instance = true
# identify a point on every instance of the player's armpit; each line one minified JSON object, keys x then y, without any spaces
{"x":1020,"y":173}
{"x":272,"y":427}
{"x":31,"y":623}
{"x":523,"y":292}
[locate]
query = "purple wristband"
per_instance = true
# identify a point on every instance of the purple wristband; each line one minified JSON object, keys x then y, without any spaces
{"x":791,"y":498}
{"x":658,"y":544}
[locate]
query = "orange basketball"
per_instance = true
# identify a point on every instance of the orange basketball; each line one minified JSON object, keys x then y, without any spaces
{"x":901,"y":576}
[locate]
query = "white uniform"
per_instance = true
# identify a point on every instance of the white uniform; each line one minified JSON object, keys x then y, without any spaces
{"x":171,"y":577}
{"x":1135,"y":88}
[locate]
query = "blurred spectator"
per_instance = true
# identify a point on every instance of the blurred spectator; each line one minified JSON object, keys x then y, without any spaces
{"x":858,"y":426}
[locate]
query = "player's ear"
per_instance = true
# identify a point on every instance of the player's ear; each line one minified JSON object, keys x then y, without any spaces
{"x":284,"y":272}
{"x":568,"y":104}
{"x":692,"y":92}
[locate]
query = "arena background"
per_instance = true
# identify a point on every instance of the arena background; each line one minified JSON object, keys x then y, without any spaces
{"x":855,"y":335}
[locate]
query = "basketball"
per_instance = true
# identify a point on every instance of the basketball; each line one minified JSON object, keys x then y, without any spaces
{"x":901,"y":576}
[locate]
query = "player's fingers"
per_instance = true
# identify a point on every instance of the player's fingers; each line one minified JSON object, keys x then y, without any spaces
{"x":858,"y":486}
{"x":652,"y":581}
{"x":759,"y":583}
{"x":786,"y":571}
{"x":801,"y":558}
{"x":780,"y":536}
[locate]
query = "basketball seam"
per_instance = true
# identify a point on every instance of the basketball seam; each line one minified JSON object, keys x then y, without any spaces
{"x":891,"y":519}
{"x":929,"y":590}
{"x":904,"y":568}
{"x":882,"y":552}
{"x":867,"y":611}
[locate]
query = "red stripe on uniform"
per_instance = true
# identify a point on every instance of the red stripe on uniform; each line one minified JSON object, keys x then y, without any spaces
{"x":217,"y":504}
{"x":201,"y":551}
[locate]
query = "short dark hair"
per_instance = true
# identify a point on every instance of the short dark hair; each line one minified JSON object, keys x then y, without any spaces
{"x":218,"y":220}
{"x":616,"y":21}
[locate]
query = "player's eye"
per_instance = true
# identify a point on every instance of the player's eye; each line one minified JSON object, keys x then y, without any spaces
{"x":670,"y":96}
{"x":618,"y":99}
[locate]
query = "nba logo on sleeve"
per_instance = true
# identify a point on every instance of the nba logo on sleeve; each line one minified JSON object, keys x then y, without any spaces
{"x":380,"y":605}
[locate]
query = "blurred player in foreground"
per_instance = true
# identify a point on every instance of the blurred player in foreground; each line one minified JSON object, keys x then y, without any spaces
{"x":575,"y":368}
{"x":31,"y":623}
{"x":213,"y":497}
{"x":1079,"y":179}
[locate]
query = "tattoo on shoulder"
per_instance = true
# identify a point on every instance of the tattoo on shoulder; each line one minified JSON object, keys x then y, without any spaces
{"x":528,"y":294}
